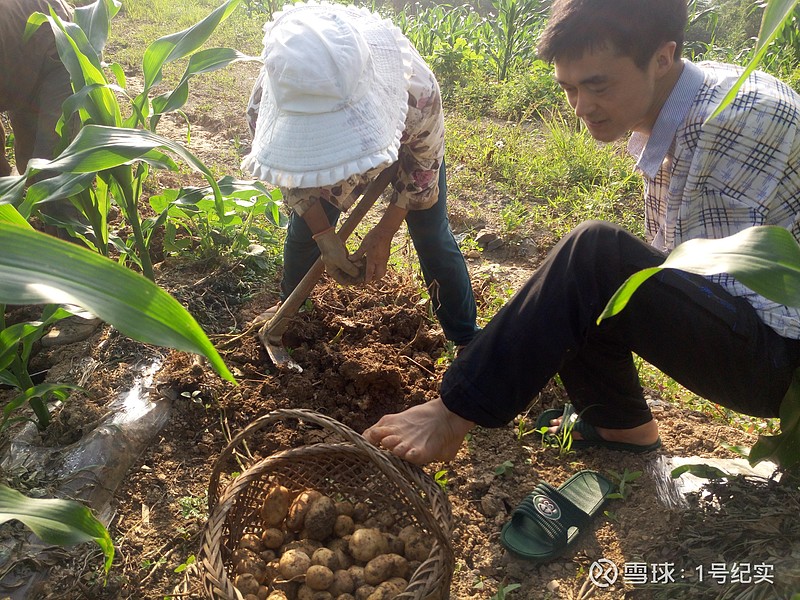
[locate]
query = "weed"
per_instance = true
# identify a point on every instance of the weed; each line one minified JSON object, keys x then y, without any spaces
{"x":562,"y":439}
{"x":504,"y":469}
{"x":524,"y":430}
{"x":504,"y":590}
{"x":441,"y":479}
{"x":185,"y":564}
{"x":623,"y":481}
{"x":193,"y":507}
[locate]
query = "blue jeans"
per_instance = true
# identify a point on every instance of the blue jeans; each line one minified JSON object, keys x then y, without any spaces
{"x":442,"y":263}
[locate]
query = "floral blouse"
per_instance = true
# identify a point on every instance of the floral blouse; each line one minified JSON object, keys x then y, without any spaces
{"x":416,"y":186}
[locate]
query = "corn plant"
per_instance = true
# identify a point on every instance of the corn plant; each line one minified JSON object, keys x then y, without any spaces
{"x":39,"y":269}
{"x":16,"y":343}
{"x":514,"y":29}
{"x":111,"y":163}
{"x":190,"y":217}
{"x":60,"y":522}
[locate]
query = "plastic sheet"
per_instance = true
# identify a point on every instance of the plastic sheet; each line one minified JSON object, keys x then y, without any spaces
{"x":673,"y":492}
{"x":89,"y":470}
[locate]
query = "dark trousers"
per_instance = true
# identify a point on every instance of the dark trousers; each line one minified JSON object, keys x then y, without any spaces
{"x":693,"y":330}
{"x":440,"y":258}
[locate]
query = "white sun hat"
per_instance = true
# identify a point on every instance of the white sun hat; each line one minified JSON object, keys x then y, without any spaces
{"x":335,"y":95}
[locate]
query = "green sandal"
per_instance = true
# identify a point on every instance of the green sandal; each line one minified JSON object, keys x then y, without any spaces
{"x":549,"y":520}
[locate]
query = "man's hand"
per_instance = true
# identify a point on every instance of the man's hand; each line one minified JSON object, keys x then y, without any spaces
{"x":334,"y":255}
{"x":375,"y":249}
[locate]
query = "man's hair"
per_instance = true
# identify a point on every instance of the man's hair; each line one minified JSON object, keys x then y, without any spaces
{"x":634,"y":28}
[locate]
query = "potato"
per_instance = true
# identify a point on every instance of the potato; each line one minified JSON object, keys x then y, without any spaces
{"x":343,"y":526}
{"x":242,"y":554}
{"x":250,"y":597}
{"x":267,"y":556}
{"x":386,"y":520}
{"x":384,"y":567}
{"x":409,"y":531}
{"x":389,"y":589}
{"x":277,"y":595}
{"x":288,"y":588}
{"x":345,"y":507}
{"x":396,"y":545}
{"x":366,"y":544}
{"x":417,"y":548}
{"x":294,"y":563}
{"x":371,"y":523}
{"x":342,"y":583}
{"x":327,"y":558}
{"x":360,"y":512}
{"x":306,"y":593}
{"x":272,"y":538}
{"x":253,"y":565}
{"x":307,"y":546}
{"x":345,"y":597}
{"x":357,"y":573}
{"x":378,"y":570}
{"x":263,"y":593}
{"x":319,"y":577}
{"x":251,"y":542}
{"x":320,"y":518}
{"x":246,"y":584}
{"x":364,"y":592}
{"x":298,"y":508}
{"x":276,"y":506}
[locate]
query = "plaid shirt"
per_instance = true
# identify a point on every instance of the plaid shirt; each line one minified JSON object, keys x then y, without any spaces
{"x":739,"y":170}
{"x":416,"y":186}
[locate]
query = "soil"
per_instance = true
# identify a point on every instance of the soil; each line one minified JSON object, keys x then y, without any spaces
{"x":368,"y":351}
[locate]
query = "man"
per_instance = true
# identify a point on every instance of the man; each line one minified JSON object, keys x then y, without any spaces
{"x":619,"y":64}
{"x":341,"y":96}
{"x":33,"y":81}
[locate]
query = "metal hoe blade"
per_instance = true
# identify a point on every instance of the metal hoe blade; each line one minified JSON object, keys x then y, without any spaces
{"x":271,"y":333}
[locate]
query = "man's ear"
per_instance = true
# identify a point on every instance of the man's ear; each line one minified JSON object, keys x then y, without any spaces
{"x":665,"y":57}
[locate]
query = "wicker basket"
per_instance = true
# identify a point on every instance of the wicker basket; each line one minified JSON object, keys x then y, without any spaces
{"x":350,"y":467}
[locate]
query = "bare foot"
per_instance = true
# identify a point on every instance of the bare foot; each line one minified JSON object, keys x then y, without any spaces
{"x":421,"y":434}
{"x":642,"y":435}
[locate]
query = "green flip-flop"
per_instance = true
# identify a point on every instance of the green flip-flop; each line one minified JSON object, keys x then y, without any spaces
{"x":590,"y":435}
{"x":549,"y":520}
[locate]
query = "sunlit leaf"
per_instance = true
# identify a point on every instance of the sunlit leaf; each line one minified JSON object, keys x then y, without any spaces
{"x":95,"y":20}
{"x":182,"y":43}
{"x":62,"y":522}
{"x":766,"y":259}
{"x":39,"y":269}
{"x":776,"y":14}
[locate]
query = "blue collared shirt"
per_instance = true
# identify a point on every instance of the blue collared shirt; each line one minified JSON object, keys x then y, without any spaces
{"x":711,"y":180}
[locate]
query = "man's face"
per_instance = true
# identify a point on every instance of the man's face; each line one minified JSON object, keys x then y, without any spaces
{"x":610,"y":94}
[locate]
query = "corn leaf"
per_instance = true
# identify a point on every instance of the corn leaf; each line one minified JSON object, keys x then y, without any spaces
{"x":181,"y":44}
{"x":61,"y":522}
{"x":776,"y":14}
{"x":782,"y":449}
{"x":765,"y":258}
{"x":95,"y":20}
{"x":10,"y":215}
{"x":12,"y":189}
{"x":204,"y":61}
{"x":39,"y":269}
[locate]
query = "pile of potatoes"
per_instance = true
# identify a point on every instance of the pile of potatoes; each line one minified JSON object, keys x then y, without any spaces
{"x":312,"y":547}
